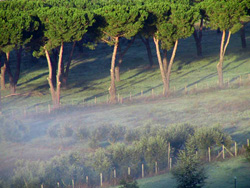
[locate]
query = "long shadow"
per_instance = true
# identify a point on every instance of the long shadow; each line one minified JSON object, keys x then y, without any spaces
{"x":33,"y":79}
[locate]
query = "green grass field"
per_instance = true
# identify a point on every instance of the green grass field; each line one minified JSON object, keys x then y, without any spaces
{"x":89,"y":78}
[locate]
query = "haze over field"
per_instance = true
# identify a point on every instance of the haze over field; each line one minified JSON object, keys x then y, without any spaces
{"x":146,"y":91}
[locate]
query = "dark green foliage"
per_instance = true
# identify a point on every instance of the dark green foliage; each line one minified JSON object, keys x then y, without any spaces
{"x":248,"y":153}
{"x":63,"y":24}
{"x":207,"y":137}
{"x":60,"y":131}
{"x":189,"y":171}
{"x":225,"y":14}
{"x":122,"y":20}
{"x":177,"y":134}
{"x":13,"y":130}
{"x":132,"y":135}
{"x":108,"y":133}
{"x":83,"y":133}
{"x":128,"y":184}
{"x":16,"y":25}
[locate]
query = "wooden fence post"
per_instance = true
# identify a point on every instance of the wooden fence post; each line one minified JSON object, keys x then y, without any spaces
{"x":114,"y":173}
{"x":152,"y":93}
{"x":170,"y":166}
{"x":58,"y":184}
{"x":247,"y":142}
{"x":24,"y":112}
{"x":118,"y":97}
{"x":235,"y":149}
{"x":73,"y":184}
{"x":101,"y":179}
{"x":87,"y":180}
{"x":169,"y":149}
{"x":130,"y":96}
{"x":196,"y":86}
{"x":186,"y":90}
{"x":141,"y":93}
{"x":107,"y":99}
{"x":41,"y":185}
{"x":240,"y":80}
{"x":49,"y":109}
{"x":129,"y":171}
{"x":142,"y":170}
{"x":209,"y":154}
{"x":156,"y":167}
{"x":223,"y":151}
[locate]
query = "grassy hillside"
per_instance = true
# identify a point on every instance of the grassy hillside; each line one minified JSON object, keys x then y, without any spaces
{"x":89,"y":78}
{"x":220,"y":174}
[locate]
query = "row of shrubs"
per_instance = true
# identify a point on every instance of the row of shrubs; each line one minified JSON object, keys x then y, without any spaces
{"x":145,"y":145}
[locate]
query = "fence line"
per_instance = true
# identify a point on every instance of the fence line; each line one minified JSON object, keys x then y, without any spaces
{"x":151,"y":95}
{"x":114,"y":178}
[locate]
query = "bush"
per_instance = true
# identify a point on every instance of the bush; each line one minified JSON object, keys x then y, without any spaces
{"x":209,"y":136}
{"x":13,"y":130}
{"x":128,"y":184}
{"x":83,"y":133}
{"x":60,"y":131}
{"x":177,"y":134}
{"x":189,"y":171}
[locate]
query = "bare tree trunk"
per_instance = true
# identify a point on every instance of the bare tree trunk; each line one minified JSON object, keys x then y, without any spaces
{"x":117,"y":68}
{"x":149,"y":52}
{"x":243,"y":37}
{"x":121,"y":55}
{"x":165,"y":61}
{"x":52,"y":89}
{"x":14,"y":79}
{"x":112,"y":89}
{"x":3,"y":71}
{"x":58,"y":77}
{"x":163,"y":75}
{"x":223,"y":48}
{"x":198,"y":39}
{"x":169,"y":68}
{"x":66,"y":73}
{"x":8,"y":70}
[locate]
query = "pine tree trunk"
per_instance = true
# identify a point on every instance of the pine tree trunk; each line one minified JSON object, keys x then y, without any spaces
{"x":8,"y":70}
{"x":223,"y":49}
{"x":198,"y":39}
{"x":58,"y":77}
{"x":243,"y":37}
{"x":52,"y":89}
{"x":117,"y":68}
{"x":112,"y":89}
{"x":165,"y":61}
{"x":121,"y":55}
{"x":169,"y":68}
{"x":117,"y":72}
{"x":163,"y":75}
{"x":3,"y":71}
{"x":66,"y":73}
{"x":149,"y":52}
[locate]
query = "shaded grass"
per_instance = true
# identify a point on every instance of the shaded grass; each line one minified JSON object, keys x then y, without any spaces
{"x":220,"y":174}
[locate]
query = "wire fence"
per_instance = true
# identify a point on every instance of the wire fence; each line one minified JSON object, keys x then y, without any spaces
{"x":131,"y":98}
{"x":212,"y":154}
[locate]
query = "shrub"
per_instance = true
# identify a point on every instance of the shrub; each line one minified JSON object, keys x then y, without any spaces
{"x":57,"y":130}
{"x":83,"y":133}
{"x":209,"y":136}
{"x":13,"y":130}
{"x":189,"y":171}
{"x":177,"y":134}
